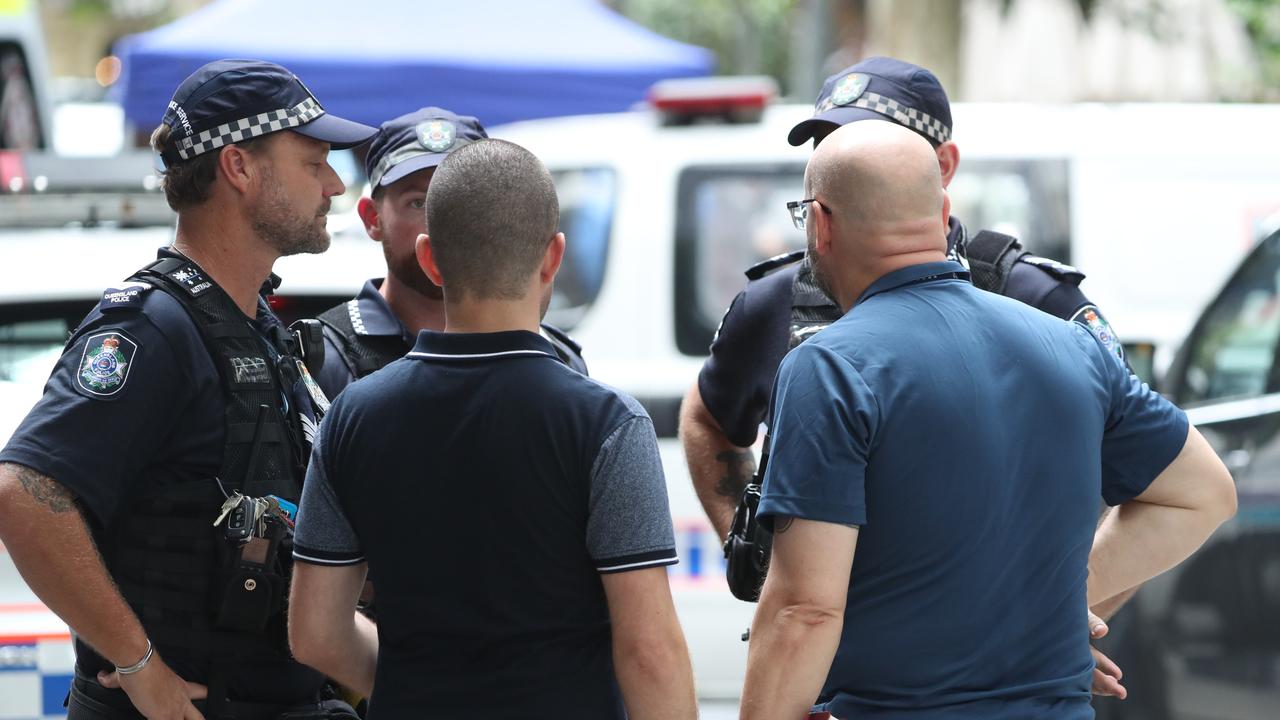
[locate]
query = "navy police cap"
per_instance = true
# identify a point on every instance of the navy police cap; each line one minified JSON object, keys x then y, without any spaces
{"x":417,"y":141}
{"x":880,"y":88}
{"x":230,"y":101}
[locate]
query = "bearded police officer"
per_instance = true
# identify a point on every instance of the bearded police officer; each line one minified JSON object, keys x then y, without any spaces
{"x":380,"y":324}
{"x":781,"y":306}
{"x":146,"y":496}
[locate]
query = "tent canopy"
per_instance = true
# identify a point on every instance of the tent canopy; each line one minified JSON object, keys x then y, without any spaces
{"x":499,"y":60}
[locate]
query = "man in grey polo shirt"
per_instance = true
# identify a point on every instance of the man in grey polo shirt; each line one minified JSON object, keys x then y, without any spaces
{"x":513,"y":510}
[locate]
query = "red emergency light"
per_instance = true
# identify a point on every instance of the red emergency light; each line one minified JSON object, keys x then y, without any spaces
{"x":687,"y":101}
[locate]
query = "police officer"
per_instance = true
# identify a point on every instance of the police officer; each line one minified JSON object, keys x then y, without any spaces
{"x":781,"y":306}
{"x":381,"y":323}
{"x":145,"y":497}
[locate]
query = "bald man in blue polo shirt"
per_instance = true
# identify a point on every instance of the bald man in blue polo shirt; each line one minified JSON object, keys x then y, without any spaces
{"x":958,"y":441}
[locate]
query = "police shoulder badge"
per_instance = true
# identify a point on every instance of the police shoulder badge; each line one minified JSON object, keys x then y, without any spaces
{"x":849,"y":88}
{"x":105,"y":364}
{"x":436,"y":135}
{"x":1091,"y":318}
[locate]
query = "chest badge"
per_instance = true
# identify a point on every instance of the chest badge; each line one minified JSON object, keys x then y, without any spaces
{"x":105,"y":364}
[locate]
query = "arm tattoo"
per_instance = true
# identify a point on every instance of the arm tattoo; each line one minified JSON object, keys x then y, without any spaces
{"x":44,"y":489}
{"x":782,"y":524}
{"x":740,"y":467}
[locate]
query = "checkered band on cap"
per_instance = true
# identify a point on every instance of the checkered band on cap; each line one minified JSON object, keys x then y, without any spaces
{"x":912,"y":118}
{"x":248,"y":128}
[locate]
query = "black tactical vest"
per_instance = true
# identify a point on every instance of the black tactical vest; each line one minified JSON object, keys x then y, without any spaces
{"x":172,"y":565}
{"x":362,"y":353}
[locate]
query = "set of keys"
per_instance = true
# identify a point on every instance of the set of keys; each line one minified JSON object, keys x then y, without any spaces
{"x":247,"y":517}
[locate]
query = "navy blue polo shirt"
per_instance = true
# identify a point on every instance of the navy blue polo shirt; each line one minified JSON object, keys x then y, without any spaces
{"x":487,"y":486}
{"x":969,"y":437}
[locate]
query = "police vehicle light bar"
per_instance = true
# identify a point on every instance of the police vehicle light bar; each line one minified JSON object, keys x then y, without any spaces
{"x":686,"y":101}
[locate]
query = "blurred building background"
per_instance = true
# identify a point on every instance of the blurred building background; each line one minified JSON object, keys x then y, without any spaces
{"x":1023,"y":50}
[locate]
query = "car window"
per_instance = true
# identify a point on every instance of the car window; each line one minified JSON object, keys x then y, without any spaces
{"x":730,"y":217}
{"x":1232,"y":351}
{"x":587,"y":199}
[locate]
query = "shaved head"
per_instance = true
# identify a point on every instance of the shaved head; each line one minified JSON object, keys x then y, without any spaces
{"x":881,"y":188}
{"x":877,"y":173}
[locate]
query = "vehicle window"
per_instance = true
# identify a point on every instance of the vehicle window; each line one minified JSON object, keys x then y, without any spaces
{"x":19,"y":118}
{"x":1027,"y":199}
{"x":587,"y":200}
{"x":731,"y":217}
{"x":32,"y":335}
{"x":1233,"y":349}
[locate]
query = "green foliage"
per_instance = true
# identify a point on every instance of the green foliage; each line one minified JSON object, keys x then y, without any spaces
{"x":747,"y":36}
{"x":1262,"y":21}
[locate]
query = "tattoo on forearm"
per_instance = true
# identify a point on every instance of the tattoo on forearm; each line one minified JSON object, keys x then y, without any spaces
{"x":44,"y":489}
{"x":782,"y":524}
{"x":740,"y":467}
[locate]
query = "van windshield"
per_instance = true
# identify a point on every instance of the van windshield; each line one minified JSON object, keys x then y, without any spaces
{"x":587,"y":199}
{"x":730,"y":217}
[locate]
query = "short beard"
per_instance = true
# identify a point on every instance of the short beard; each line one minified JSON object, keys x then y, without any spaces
{"x":817,"y":271}
{"x":276,"y":222}
{"x":409,"y":273}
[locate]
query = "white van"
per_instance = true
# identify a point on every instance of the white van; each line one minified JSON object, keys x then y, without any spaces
{"x":1155,"y":203}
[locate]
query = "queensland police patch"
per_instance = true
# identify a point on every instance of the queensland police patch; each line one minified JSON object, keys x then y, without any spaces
{"x":1090,"y":317}
{"x":105,"y":364}
{"x":849,"y":88}
{"x":436,"y":135}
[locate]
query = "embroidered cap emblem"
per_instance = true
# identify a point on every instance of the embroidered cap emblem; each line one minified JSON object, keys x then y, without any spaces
{"x":849,"y":88}
{"x":437,"y":135}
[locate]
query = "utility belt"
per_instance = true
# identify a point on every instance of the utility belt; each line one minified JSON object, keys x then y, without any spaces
{"x":90,"y":701}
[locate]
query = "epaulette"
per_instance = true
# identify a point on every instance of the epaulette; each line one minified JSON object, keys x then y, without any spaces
{"x":760,"y":269}
{"x":1059,"y":270}
{"x":127,"y":297}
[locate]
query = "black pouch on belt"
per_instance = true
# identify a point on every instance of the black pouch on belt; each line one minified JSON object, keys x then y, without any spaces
{"x":254,"y":589}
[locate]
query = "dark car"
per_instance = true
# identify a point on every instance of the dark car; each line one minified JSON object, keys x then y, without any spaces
{"x":1203,"y":641}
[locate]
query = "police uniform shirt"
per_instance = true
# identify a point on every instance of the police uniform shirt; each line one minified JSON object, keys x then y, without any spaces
{"x":134,"y":398}
{"x":487,"y":485}
{"x":371,"y":316}
{"x":969,"y":437}
{"x":735,"y":381}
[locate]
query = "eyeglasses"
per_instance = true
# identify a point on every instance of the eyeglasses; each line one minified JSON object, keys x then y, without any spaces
{"x":799,"y":210}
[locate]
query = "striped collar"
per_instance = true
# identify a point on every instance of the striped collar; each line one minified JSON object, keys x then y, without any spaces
{"x":433,"y":345}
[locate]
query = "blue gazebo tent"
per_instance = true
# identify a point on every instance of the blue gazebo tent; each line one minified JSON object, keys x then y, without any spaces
{"x":500,"y":60}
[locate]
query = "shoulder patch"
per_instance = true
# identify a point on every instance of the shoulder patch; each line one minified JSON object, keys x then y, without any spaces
{"x":127,"y":297}
{"x":105,"y":363}
{"x":760,"y":269}
{"x":1059,"y":270}
{"x":1090,"y":317}
{"x":191,"y":278}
